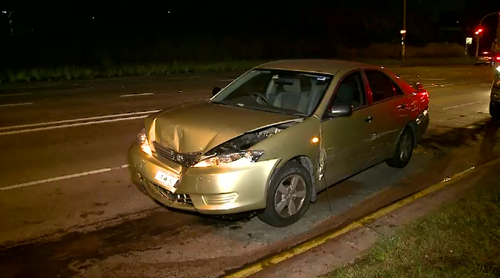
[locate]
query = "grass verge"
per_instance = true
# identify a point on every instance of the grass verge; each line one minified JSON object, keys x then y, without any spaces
{"x":461,"y":239}
{"x":76,"y":72}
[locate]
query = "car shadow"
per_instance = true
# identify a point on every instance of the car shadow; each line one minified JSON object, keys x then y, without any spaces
{"x":487,"y":149}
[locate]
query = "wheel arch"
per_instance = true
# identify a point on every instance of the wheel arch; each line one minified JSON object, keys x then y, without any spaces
{"x":307,"y":163}
{"x":414,"y":129}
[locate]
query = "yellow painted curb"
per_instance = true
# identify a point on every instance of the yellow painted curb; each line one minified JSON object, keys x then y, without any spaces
{"x":317,"y":241}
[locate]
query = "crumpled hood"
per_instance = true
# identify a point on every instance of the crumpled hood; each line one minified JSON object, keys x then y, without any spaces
{"x":202,"y":126}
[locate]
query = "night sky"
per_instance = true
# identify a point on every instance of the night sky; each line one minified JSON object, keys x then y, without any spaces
{"x":88,"y":32}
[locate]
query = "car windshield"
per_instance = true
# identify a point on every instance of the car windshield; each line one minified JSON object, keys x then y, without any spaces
{"x":278,"y":91}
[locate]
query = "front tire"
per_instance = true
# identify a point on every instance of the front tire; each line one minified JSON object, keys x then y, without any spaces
{"x":288,"y":195}
{"x":404,"y":150}
{"x":494,"y":110}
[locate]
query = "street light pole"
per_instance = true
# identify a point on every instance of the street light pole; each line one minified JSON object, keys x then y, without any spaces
{"x":479,"y":38}
{"x":403,"y":33}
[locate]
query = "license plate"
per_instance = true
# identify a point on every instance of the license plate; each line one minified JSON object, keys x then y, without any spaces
{"x":167,"y":180}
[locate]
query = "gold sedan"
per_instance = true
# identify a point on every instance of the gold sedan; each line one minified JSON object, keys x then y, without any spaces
{"x":276,"y":136}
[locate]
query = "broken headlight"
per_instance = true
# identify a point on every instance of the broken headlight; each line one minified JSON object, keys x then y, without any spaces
{"x":238,"y":149}
{"x":142,"y":141}
{"x":238,"y":157}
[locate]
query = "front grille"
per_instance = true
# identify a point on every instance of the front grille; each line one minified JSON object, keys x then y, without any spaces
{"x":185,"y":159}
{"x":173,"y":197}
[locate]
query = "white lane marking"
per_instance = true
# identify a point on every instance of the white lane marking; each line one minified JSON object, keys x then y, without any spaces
{"x":70,"y":125}
{"x":14,"y":95}
{"x":82,"y":119}
{"x":432,"y":79}
{"x":138,"y":95}
{"x":15,"y":104}
{"x":460,"y":83}
{"x":461,"y":105}
{"x":93,"y":172}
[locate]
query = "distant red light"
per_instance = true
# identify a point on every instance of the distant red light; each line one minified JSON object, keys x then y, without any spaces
{"x":497,"y":58}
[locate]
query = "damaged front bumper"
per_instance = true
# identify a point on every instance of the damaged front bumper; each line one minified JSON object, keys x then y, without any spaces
{"x":224,"y":189}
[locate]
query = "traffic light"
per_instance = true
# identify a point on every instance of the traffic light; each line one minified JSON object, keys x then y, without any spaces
{"x":479,"y":32}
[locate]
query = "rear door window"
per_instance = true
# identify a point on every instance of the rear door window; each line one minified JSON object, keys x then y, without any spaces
{"x":397,"y":89}
{"x":380,"y":84}
{"x":351,"y":91}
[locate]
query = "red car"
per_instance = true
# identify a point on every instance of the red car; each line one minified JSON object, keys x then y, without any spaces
{"x":487,"y":58}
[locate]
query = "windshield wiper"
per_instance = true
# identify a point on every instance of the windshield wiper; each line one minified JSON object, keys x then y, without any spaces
{"x":266,"y":109}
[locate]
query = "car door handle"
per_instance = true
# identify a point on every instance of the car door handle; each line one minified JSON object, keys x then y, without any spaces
{"x":369,"y":119}
{"x":402,"y":106}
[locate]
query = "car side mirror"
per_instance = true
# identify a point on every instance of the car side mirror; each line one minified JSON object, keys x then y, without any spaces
{"x":339,"y":110}
{"x":215,"y":90}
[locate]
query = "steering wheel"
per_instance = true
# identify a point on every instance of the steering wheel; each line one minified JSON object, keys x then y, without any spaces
{"x":261,"y":96}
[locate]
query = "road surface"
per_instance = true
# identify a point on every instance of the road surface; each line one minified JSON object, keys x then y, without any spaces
{"x":67,"y":206}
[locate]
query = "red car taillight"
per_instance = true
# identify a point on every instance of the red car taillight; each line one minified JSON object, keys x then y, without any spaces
{"x":497,"y":58}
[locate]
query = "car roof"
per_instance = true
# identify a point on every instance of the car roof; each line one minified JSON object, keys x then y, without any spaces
{"x":315,"y":65}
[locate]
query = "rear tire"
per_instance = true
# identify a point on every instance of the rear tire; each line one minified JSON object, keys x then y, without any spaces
{"x":494,"y":110}
{"x":288,"y":195}
{"x":404,"y":149}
